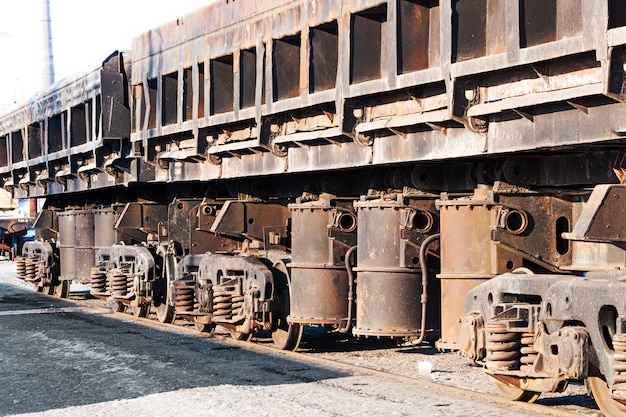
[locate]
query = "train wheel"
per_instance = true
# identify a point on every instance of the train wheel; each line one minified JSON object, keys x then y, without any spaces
{"x":517,"y":394}
{"x":120,"y":307}
{"x":286,"y":336}
{"x":140,"y":311}
{"x":602,"y":395}
{"x":63,"y":289}
{"x":165,"y":313}
{"x":47,"y":289}
{"x":244,"y":337}
{"x":39,"y":288}
{"x":205,"y":328}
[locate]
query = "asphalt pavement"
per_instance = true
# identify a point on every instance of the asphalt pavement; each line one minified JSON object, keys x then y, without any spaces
{"x":58,"y":359}
{"x":54,"y":355}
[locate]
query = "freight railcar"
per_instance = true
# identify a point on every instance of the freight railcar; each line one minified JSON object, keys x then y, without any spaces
{"x":445,"y":170}
{"x":63,"y":144}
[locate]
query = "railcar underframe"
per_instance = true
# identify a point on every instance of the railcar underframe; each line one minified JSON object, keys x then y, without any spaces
{"x":443,"y":171}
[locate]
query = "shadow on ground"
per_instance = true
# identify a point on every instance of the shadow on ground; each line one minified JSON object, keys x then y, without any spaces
{"x":71,"y":358}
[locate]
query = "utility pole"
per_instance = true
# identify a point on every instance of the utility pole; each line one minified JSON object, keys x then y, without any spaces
{"x":48,"y":59}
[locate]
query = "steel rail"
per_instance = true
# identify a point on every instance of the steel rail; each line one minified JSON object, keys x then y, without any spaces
{"x":256,"y":347}
{"x":303,"y":357}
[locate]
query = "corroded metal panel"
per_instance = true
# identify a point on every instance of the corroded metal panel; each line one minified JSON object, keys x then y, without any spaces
{"x":390,"y":285}
{"x":512,"y":80}
{"x":322,"y":232}
{"x":70,"y":136}
{"x":468,"y":256}
{"x":480,"y":95}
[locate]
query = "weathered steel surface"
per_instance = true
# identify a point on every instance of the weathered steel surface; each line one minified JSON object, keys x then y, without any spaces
{"x":597,"y":222}
{"x":76,"y":244}
{"x":322,"y":232}
{"x":389,"y":279}
{"x":72,"y":136}
{"x":104,"y":219}
{"x":556,"y":305}
{"x":498,"y":88}
{"x":469,"y":78}
{"x":85,"y":251}
{"x":468,"y":256}
{"x":67,"y":243}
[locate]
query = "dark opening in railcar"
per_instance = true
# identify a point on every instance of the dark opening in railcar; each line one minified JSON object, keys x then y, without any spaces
{"x":4,"y":154}
{"x":56,"y":129}
{"x":247,"y":78}
{"x":34,"y":140}
{"x":469,"y":20}
{"x":97,"y":122}
{"x":17,"y":146}
{"x":537,"y":22}
{"x":324,"y":41}
{"x":187,"y":94}
{"x":617,"y":13}
{"x":78,"y":125}
{"x":152,"y":93}
{"x":286,"y":65}
{"x":543,"y":21}
{"x":414,"y":28}
{"x":222,"y":85}
{"x":366,"y":39}
{"x":562,"y":226}
{"x":169,"y":90}
{"x":201,"y":90}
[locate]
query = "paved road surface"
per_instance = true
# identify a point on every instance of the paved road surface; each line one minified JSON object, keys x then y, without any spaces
{"x":57,"y":359}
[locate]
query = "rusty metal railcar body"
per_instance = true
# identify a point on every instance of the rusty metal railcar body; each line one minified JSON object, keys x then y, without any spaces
{"x":64,"y":142}
{"x":362,"y":165}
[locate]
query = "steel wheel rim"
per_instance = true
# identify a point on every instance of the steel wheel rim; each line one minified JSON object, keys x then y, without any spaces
{"x":140,"y":311}
{"x":602,"y":396}
{"x":517,"y":394}
{"x":285,"y":335}
{"x":205,"y":328}
{"x":62,"y":290}
{"x":288,"y":336}
{"x":164,"y":313}
{"x":244,"y":337}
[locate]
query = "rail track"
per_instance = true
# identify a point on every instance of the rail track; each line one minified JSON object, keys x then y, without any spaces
{"x":375,"y":357}
{"x":319,"y":356}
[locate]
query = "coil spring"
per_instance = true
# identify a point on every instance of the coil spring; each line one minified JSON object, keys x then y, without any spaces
{"x":20,"y":267}
{"x":119,"y":282}
{"x":196,"y":297}
{"x":237,"y":303}
{"x":31,"y":270}
{"x":528,"y":351}
{"x":98,"y":281}
{"x":502,"y":347}
{"x":618,"y":390}
{"x":222,"y":304}
{"x":184,"y":298}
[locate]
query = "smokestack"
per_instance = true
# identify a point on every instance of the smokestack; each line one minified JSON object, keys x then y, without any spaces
{"x":47,"y":71}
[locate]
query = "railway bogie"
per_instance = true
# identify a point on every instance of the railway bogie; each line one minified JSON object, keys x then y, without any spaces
{"x":365,"y":166}
{"x":38,"y":264}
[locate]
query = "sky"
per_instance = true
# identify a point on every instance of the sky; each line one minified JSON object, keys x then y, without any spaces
{"x":84,"y":33}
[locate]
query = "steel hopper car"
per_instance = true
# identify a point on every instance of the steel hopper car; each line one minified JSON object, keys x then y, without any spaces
{"x":426,"y":170}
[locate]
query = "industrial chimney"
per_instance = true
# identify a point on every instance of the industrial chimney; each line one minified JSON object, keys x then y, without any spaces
{"x":48,"y":59}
